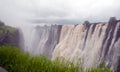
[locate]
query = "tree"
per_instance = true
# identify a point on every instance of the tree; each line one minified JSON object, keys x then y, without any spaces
{"x":86,"y":22}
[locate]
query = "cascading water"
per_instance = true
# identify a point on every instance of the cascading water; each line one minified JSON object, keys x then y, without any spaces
{"x":41,"y":39}
{"x":92,"y":43}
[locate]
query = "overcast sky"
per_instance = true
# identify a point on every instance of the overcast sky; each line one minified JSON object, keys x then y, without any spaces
{"x":57,"y":11}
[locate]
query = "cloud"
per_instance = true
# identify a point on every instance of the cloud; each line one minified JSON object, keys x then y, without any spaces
{"x":57,"y":11}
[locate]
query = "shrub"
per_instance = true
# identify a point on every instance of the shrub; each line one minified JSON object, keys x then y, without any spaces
{"x":13,"y":60}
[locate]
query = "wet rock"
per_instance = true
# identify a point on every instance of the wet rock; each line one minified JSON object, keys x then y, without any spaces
{"x":3,"y":70}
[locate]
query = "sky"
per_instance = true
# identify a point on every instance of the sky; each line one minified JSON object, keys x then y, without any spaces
{"x":21,"y":12}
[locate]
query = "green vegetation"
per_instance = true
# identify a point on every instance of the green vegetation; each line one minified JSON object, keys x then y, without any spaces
{"x":1,"y":32}
{"x":102,"y":68}
{"x":8,"y":28}
{"x":13,"y":60}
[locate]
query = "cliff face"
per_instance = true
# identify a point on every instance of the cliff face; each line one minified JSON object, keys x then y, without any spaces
{"x":92,"y":43}
{"x":43,"y":40}
{"x":9,"y":35}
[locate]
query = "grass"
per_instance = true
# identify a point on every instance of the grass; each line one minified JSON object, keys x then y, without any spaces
{"x":13,"y":60}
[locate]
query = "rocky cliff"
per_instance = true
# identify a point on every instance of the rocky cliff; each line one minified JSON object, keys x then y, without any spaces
{"x":9,"y":35}
{"x":93,"y":43}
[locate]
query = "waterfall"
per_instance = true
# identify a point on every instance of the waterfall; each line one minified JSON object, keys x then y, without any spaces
{"x":92,"y":43}
{"x":41,"y":39}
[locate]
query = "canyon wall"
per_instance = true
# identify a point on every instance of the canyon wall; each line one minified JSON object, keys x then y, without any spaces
{"x":91,"y":43}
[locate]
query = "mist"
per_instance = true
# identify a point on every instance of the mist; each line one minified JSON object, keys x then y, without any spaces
{"x":27,"y":12}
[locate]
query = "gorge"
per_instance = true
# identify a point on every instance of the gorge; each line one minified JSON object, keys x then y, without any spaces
{"x":92,"y":43}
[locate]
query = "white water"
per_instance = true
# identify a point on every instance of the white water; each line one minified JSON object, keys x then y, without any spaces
{"x":90,"y":43}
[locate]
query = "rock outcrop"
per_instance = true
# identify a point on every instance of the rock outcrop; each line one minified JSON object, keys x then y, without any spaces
{"x":9,"y":35}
